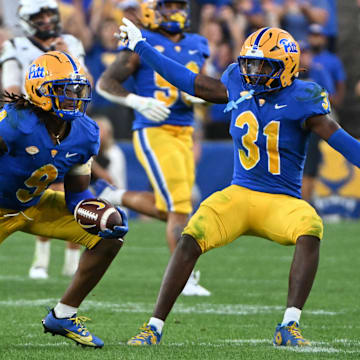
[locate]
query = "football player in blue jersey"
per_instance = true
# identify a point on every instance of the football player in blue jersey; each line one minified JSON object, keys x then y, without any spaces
{"x":273,"y":114}
{"x":45,"y":137}
{"x":164,"y":119}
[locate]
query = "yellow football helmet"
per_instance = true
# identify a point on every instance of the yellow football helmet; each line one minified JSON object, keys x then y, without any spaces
{"x":269,"y":60}
{"x":57,"y":82}
{"x":155,"y":14}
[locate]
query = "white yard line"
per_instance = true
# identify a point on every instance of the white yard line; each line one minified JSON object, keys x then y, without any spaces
{"x":203,"y":308}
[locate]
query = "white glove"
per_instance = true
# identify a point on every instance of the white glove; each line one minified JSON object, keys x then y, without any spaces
{"x":193,"y":99}
{"x":149,"y":107}
{"x":130,"y":32}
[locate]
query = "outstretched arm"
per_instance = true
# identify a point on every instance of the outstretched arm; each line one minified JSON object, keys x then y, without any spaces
{"x":336,"y":137}
{"x":202,"y":86}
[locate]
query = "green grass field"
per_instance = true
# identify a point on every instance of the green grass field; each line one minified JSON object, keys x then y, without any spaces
{"x":248,"y":280}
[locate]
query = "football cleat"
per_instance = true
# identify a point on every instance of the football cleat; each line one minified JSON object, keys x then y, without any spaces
{"x":147,"y":336}
{"x":71,"y":328}
{"x":193,"y":288}
{"x":289,"y":335}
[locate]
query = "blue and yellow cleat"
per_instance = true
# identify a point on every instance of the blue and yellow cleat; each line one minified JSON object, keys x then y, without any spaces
{"x":289,"y":335}
{"x":71,"y":328}
{"x":148,"y":336}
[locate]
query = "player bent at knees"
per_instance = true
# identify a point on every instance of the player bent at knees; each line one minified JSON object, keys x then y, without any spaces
{"x":215,"y":225}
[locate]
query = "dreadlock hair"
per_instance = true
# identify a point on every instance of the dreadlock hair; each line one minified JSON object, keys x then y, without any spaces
{"x":22,"y":103}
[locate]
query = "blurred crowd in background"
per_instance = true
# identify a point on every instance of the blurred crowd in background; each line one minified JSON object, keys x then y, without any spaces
{"x":225,"y":23}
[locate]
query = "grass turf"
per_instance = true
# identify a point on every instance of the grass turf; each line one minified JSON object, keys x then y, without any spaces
{"x":248,"y":280}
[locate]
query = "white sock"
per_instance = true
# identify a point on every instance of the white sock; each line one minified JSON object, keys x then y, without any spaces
{"x":64,"y":311}
{"x":42,"y":254}
{"x":71,"y":261}
{"x":157,"y":323}
{"x":113,"y":196}
{"x":291,"y":314}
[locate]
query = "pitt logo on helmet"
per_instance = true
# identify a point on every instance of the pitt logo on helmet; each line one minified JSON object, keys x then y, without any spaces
{"x":289,"y":46}
{"x":269,"y":60}
{"x":36,"y":71}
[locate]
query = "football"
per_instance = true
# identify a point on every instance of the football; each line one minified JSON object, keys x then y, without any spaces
{"x":95,"y":215}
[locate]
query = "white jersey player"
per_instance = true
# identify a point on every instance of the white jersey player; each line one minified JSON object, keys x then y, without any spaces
{"x":40,"y":21}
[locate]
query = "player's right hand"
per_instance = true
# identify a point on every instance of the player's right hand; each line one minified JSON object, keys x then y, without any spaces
{"x":149,"y":107}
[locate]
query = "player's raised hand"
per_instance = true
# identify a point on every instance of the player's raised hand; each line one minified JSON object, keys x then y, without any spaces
{"x":129,"y":32}
{"x":149,"y":107}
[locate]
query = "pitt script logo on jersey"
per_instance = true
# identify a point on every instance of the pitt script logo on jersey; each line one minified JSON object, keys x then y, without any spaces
{"x":289,"y":46}
{"x":36,"y":72}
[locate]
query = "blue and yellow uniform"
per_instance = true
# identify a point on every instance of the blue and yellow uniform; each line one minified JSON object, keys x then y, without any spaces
{"x":165,"y":149}
{"x":270,"y":144}
{"x":30,"y":165}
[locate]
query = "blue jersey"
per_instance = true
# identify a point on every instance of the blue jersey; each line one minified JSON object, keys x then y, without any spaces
{"x":32,"y":161}
{"x":191,"y":51}
{"x":268,"y":133}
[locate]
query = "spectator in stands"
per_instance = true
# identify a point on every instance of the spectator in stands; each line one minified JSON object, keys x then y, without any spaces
{"x":297,"y":15}
{"x":318,"y":73}
{"x":331,"y":26}
{"x":318,"y":43}
{"x":82,"y":18}
{"x":101,"y":54}
{"x":217,"y":122}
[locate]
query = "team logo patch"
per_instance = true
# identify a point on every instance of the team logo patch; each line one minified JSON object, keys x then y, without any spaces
{"x":32,"y":150}
{"x":262,"y":102}
{"x":53,"y":152}
{"x":289,"y":46}
{"x":36,"y":72}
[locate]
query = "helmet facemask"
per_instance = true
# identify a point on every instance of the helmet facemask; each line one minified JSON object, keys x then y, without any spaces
{"x":36,"y":22}
{"x":261,"y":74}
{"x":69,"y":97}
{"x":174,"y":20}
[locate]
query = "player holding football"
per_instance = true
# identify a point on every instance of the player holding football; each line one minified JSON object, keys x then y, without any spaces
{"x":273,"y":114}
{"x":164,"y":119}
{"x":40,"y":21}
{"x":46,"y":137}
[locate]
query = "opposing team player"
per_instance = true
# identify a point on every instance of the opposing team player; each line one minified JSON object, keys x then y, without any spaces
{"x":46,"y":137}
{"x":164,"y":118}
{"x":40,"y":21}
{"x":273,"y":114}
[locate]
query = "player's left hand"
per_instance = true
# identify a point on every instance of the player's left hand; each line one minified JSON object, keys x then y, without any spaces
{"x":130,"y":33}
{"x":193,"y":99}
{"x":118,"y":231}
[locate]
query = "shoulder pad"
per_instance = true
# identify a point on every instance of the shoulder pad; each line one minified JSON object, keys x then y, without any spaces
{"x":308,"y":91}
